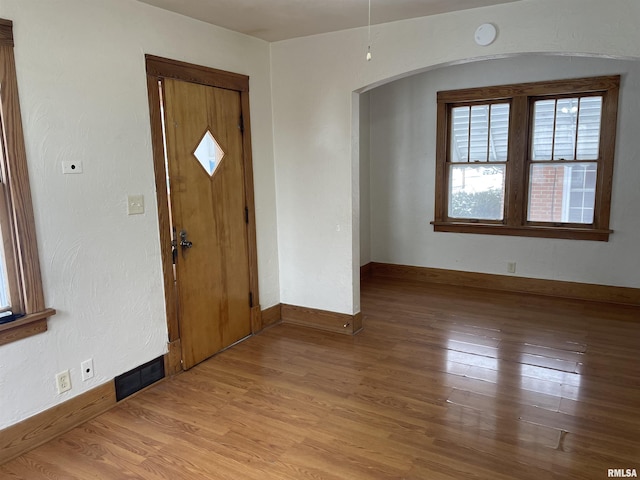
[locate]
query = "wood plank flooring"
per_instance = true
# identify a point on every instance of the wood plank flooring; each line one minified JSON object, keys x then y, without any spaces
{"x":442,"y":383}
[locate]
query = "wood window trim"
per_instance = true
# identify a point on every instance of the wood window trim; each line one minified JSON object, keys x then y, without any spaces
{"x":18,"y":195}
{"x":516,"y":183}
{"x":25,"y":326}
{"x":523,"y":231}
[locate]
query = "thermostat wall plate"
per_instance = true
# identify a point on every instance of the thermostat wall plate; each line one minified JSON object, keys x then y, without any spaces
{"x":485,"y":34}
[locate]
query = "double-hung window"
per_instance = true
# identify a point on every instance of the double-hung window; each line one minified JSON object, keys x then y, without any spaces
{"x":533,"y":159}
{"x":22,"y":309}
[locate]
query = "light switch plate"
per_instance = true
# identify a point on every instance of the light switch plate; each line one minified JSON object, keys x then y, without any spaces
{"x":135,"y":204}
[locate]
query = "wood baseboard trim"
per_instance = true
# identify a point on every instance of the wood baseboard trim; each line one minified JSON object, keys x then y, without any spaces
{"x":366,"y":270}
{"x":553,"y":288}
{"x":34,"y":431}
{"x":322,"y":319}
{"x":272,"y":316}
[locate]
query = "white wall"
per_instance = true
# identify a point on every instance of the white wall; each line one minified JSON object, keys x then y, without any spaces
{"x":81,"y":76}
{"x":403,"y":131}
{"x":313,"y":79}
{"x":82,"y":87}
{"x":364,"y":173}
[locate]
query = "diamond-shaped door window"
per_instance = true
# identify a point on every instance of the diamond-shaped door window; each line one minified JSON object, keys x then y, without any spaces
{"x":209,"y":153}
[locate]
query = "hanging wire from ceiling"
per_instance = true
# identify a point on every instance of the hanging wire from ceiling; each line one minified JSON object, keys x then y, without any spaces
{"x":369,"y":35}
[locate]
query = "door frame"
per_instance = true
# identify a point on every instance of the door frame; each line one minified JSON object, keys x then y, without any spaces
{"x":159,"y":68}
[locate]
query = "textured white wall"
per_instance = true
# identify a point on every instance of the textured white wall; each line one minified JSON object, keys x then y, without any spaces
{"x":403,"y":131}
{"x":364,"y":174}
{"x":83,"y":93}
{"x":313,"y":79}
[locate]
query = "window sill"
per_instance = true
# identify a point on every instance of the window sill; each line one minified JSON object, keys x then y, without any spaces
{"x":26,"y":326}
{"x":523,"y":231}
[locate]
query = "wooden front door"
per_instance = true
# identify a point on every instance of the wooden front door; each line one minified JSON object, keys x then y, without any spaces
{"x":209,"y":216}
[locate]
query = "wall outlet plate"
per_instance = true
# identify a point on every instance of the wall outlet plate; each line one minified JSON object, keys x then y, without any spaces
{"x":71,"y":167}
{"x":63,"y":381}
{"x":86,"y":368}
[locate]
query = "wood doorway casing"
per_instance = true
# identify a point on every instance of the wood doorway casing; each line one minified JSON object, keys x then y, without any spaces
{"x":158,"y":69}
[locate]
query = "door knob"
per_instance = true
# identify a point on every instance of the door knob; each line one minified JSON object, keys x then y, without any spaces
{"x":184,"y":243}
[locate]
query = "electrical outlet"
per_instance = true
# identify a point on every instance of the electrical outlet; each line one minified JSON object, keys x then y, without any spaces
{"x":63,"y":381}
{"x":86,"y":368}
{"x":511,"y":267}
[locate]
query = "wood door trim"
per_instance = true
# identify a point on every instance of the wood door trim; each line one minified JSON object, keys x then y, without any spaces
{"x":157,"y":145}
{"x":173,"y":358}
{"x":189,"y":72}
{"x":250,"y":200}
{"x":157,"y":69}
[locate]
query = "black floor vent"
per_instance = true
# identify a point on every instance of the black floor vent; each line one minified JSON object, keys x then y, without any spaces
{"x":138,"y":378}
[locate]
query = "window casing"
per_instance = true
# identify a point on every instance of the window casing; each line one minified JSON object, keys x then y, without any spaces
{"x":23,"y":293}
{"x":533,"y":159}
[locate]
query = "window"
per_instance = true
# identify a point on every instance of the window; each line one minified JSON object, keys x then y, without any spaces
{"x":22,"y":310}
{"x":533,"y":159}
{"x":479,"y":148}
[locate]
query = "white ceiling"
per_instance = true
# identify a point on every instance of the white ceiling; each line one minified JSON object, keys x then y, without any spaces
{"x":274,"y":20}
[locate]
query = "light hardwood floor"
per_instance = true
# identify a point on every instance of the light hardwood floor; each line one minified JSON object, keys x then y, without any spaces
{"x":442,"y":383}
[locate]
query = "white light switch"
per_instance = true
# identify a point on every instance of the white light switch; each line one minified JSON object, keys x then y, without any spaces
{"x":135,"y":204}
